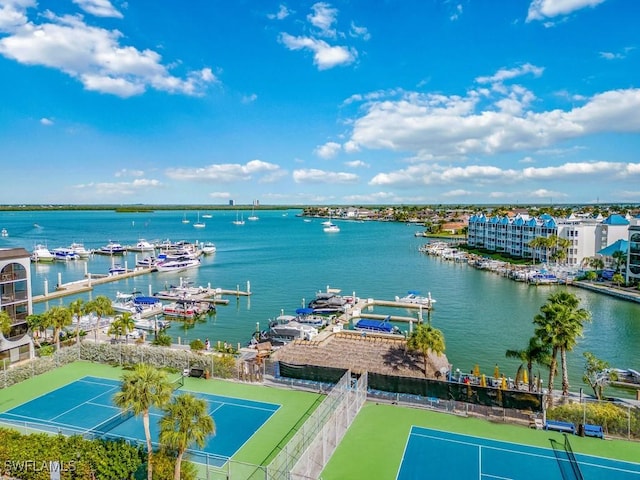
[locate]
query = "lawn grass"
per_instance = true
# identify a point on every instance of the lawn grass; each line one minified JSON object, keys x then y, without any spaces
{"x":295,"y":406}
{"x":374,"y":445}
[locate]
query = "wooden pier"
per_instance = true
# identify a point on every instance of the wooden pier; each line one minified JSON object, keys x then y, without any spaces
{"x":91,"y":280}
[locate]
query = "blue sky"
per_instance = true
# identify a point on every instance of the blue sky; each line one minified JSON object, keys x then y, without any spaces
{"x":339,"y":102}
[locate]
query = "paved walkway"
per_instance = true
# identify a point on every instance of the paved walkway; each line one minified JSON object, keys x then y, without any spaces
{"x":630,"y":294}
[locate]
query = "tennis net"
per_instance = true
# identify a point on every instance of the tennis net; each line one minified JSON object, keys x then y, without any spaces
{"x":177,"y":383}
{"x":103,"y":428}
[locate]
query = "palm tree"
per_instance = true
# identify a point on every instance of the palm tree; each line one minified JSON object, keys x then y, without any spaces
{"x":426,"y":339}
{"x":5,"y":322}
{"x":535,"y":352}
{"x":36,"y":324}
{"x":558,"y":326}
{"x":620,"y":259}
{"x":186,"y":421}
{"x":101,"y":306}
{"x":144,"y":387}
{"x":122,"y":325}
{"x":77,"y":308}
{"x":597,"y":263}
{"x":538,"y":243}
{"x":58,"y":317}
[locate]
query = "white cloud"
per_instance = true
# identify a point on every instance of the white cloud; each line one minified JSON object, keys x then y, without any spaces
{"x":220,"y":195}
{"x":94,"y":56}
{"x":99,"y":8}
{"x":129,"y":173}
{"x":357,"y":164}
{"x":325,"y":56}
{"x":484,"y":123}
{"x":541,"y":9}
{"x":323,"y":18}
{"x":322,"y":176}
{"x":511,"y":73}
{"x":359,"y":32}
{"x":482,"y":175}
{"x":227,"y":172}
{"x":328,"y":150}
{"x":544,"y":193}
{"x":46,"y":121}
{"x":283,"y":12}
{"x":457,"y":193}
{"x":118,"y":189}
{"x":249,"y":98}
{"x":456,"y":14}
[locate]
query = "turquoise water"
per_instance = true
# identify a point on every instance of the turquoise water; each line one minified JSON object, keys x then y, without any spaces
{"x":286,"y":261}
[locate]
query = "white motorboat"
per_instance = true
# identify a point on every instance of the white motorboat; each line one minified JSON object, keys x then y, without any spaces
{"x":136,"y":304}
{"x":112,"y":248}
{"x":208,"y":248}
{"x":151,"y":324}
{"x":142,"y":246}
{"x":4,"y":232}
{"x":117,"y":269}
{"x":64,"y":254}
{"x":290,"y":330}
{"x":331,"y":228}
{"x":187,"y":308}
{"x":42,"y":254}
{"x":177,"y":265}
{"x":149,"y":261}
{"x":414,"y":297}
{"x":80,"y":250}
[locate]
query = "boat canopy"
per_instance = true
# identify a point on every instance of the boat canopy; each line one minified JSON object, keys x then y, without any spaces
{"x":146,"y":300}
{"x":304,"y":311}
{"x":375,"y":325}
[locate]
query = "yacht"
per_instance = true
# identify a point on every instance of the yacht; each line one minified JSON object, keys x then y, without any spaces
{"x":149,"y":261}
{"x":64,"y":254}
{"x":253,"y":217}
{"x":4,"y":232}
{"x":177,"y":265}
{"x":331,"y":228}
{"x":42,"y":254}
{"x":186,"y":308}
{"x":142,"y":246}
{"x":199,"y":224}
{"x":112,"y":248}
{"x":116,"y":269}
{"x":238,"y":220}
{"x":80,"y":250}
{"x":137,"y":304}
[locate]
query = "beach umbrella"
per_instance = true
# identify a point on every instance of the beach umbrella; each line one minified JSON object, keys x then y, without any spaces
{"x":496,"y":372}
{"x":525,"y":377}
{"x":483,"y":380}
{"x":503,"y":385}
{"x":476,"y":370}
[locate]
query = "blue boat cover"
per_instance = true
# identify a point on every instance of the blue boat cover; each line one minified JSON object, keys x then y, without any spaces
{"x":304,"y":311}
{"x":375,"y":325}
{"x":146,"y":300}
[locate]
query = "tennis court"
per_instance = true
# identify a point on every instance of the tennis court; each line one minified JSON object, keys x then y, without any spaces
{"x":443,"y":455}
{"x":86,"y":406}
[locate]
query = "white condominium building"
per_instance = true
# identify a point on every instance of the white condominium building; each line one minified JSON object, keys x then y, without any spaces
{"x":513,"y":235}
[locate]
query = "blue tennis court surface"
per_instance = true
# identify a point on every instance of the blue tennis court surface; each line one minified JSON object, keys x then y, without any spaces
{"x":434,"y":454}
{"x":87,"y":403}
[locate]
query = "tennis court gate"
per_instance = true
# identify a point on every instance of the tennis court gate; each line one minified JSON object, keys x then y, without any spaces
{"x":309,"y":450}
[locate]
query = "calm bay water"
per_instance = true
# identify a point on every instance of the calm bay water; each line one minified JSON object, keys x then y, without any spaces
{"x":286,"y":261}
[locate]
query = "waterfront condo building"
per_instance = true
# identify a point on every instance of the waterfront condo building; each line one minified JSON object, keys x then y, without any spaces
{"x":633,"y":258}
{"x":584,"y":236}
{"x":16,"y":302}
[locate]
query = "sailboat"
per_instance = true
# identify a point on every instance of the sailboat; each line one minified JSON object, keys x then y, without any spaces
{"x":238,"y":221}
{"x":185,"y":219}
{"x":199,"y":224}
{"x":253,"y":216}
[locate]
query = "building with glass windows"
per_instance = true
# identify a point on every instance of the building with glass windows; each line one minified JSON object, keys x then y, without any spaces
{"x":15,"y":300}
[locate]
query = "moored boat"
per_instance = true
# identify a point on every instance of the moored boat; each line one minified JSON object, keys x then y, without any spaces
{"x":64,"y":254}
{"x":414,"y":297}
{"x":178,"y":265}
{"x":112,"y":248}
{"x":142,"y":246}
{"x":42,"y":254}
{"x":376,"y":326}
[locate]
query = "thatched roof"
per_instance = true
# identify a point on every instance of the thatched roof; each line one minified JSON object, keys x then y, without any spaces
{"x":371,"y":353}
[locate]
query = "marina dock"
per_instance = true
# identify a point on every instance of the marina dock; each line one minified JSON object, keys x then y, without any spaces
{"x":213,"y":295}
